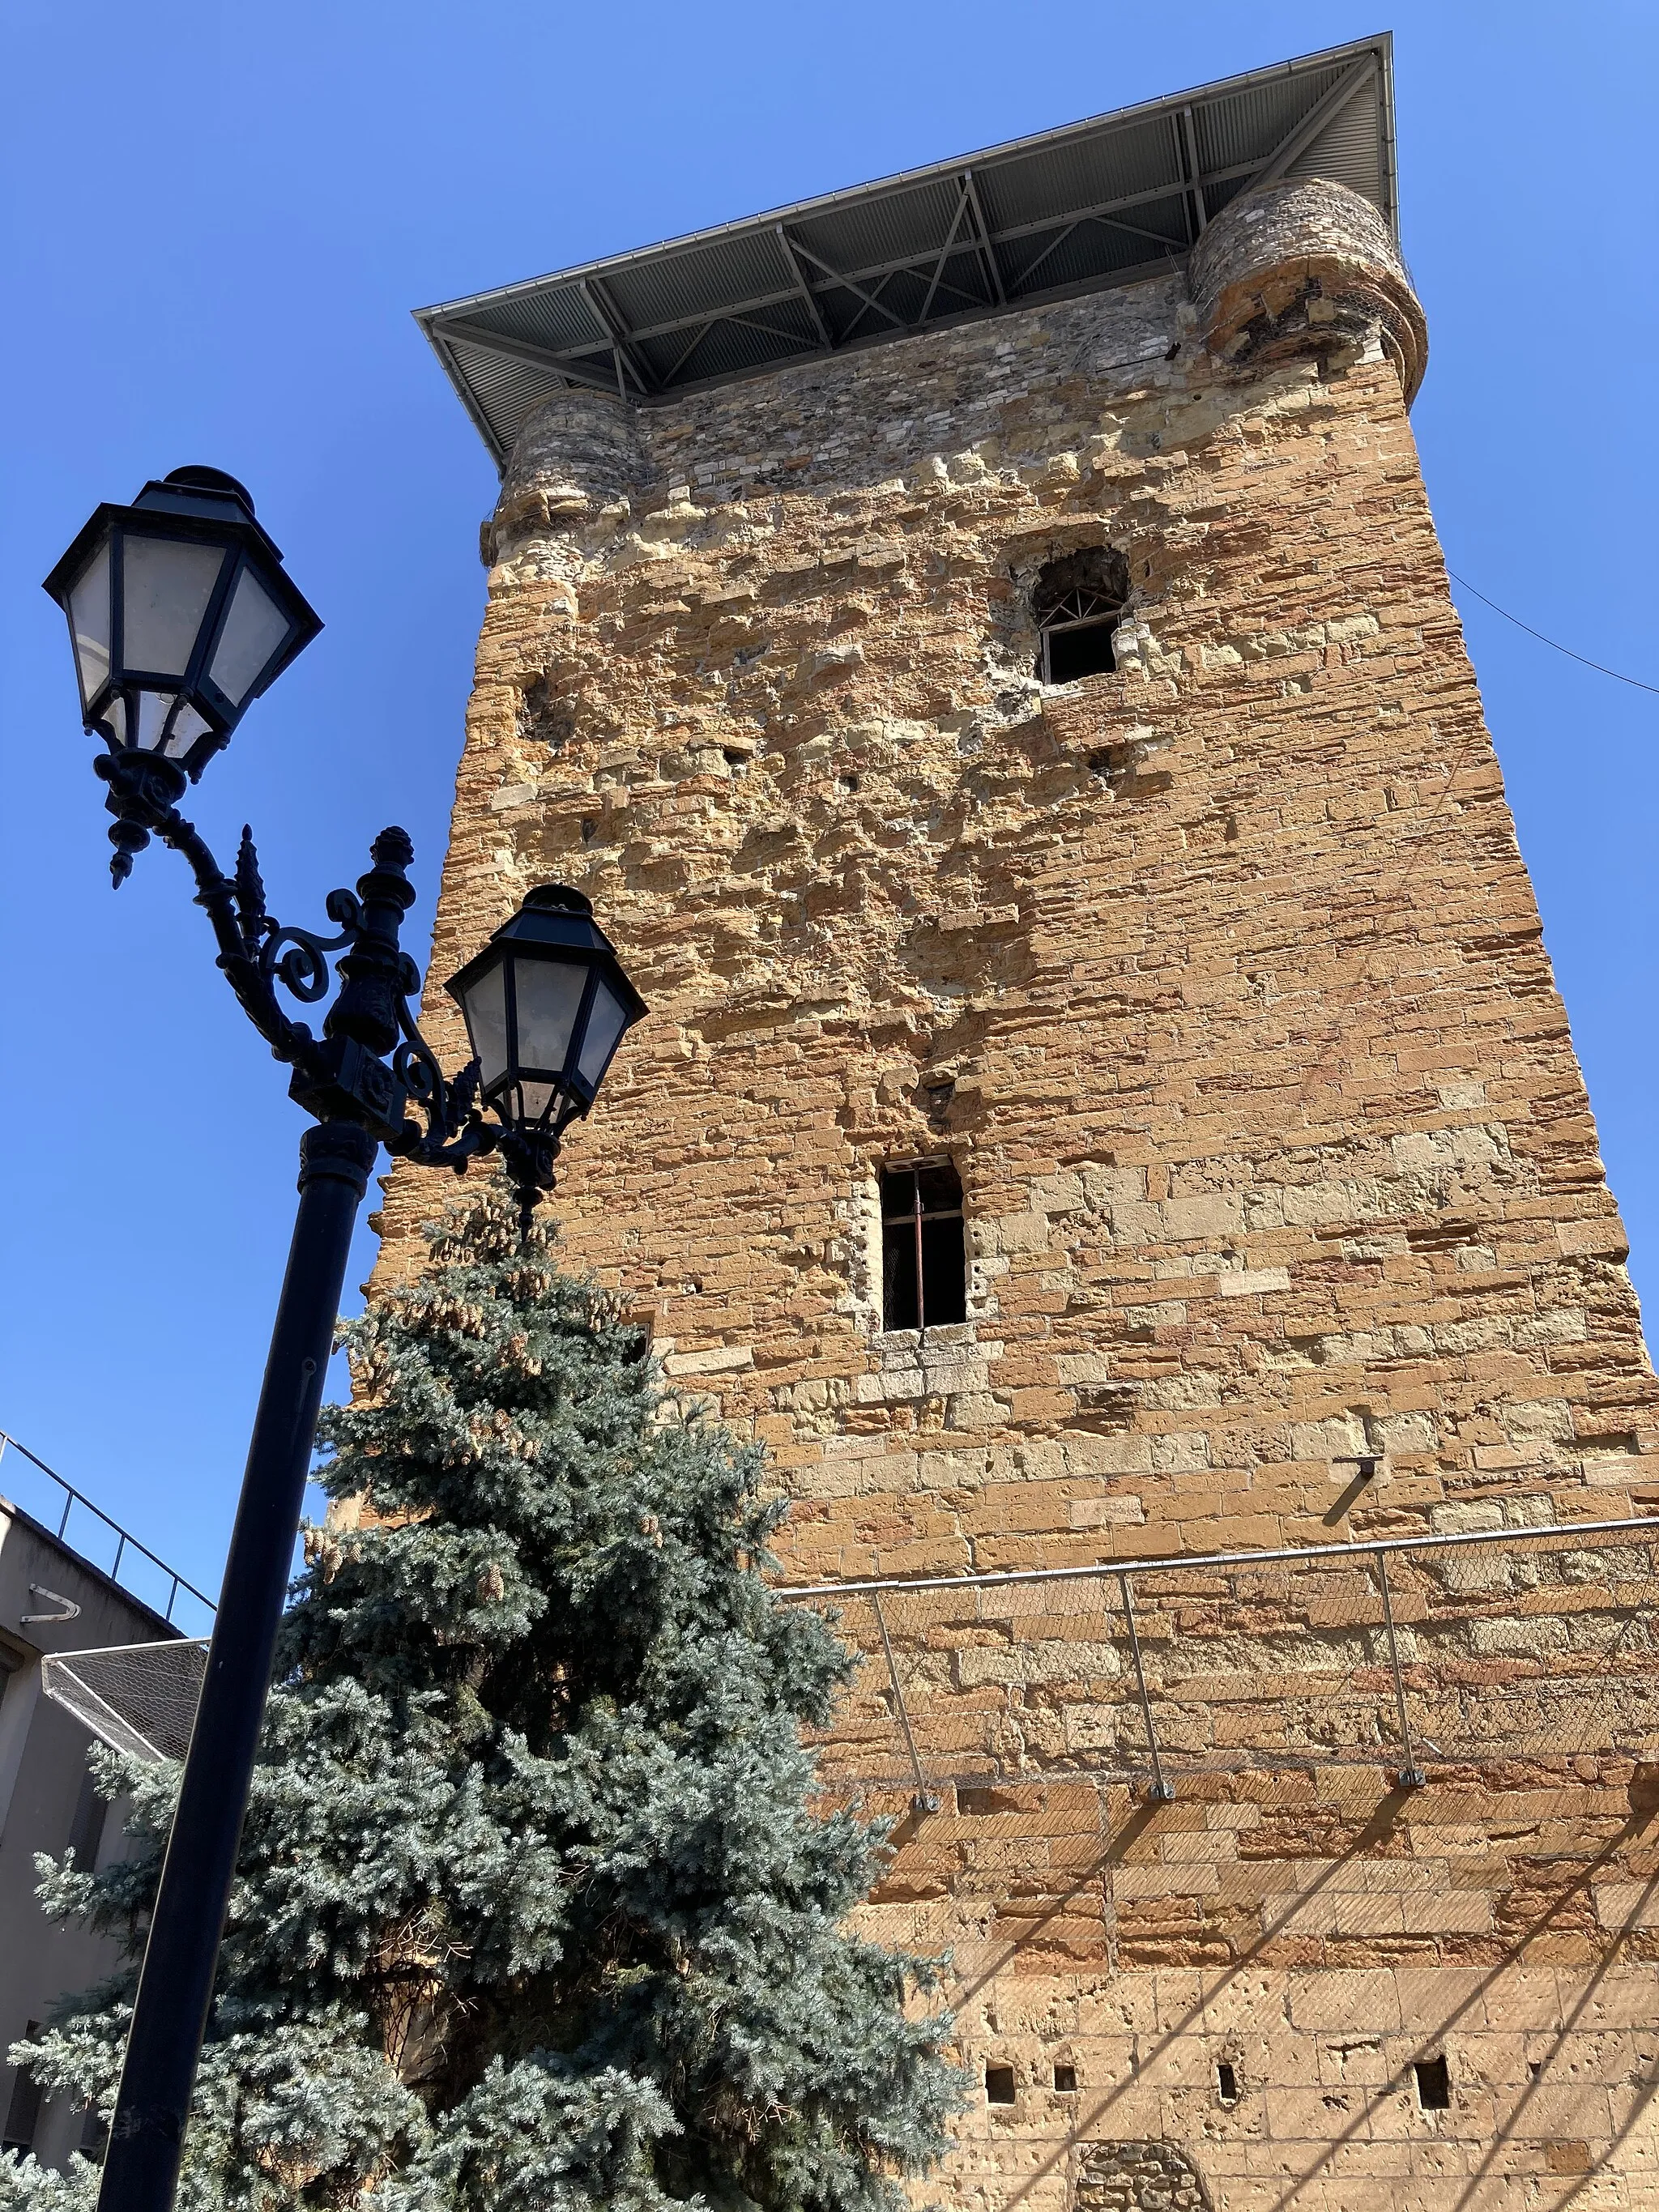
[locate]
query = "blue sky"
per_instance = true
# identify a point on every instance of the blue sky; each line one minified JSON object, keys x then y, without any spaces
{"x":216,"y":221}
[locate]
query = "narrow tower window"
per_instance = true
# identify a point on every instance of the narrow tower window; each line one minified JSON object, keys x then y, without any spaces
{"x":923,"y":1256}
{"x":1077,"y":603}
{"x":1000,"y":2087}
{"x":1433,"y":2084}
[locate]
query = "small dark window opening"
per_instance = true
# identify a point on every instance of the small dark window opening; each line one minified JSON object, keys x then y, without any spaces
{"x":1226,"y":2083}
{"x":1433,"y":2084}
{"x":23,"y":2112}
{"x":1066,"y":2081}
{"x":971,"y":1803}
{"x":1078,"y":602}
{"x":1000,"y":2085}
{"x":924,"y":1263}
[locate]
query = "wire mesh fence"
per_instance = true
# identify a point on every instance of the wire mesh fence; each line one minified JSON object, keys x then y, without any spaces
{"x":139,"y":1697}
{"x":1513,"y":1643}
{"x":1510,"y":1644}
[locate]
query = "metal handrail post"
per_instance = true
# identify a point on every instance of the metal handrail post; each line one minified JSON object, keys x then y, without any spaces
{"x":1412,"y":1776}
{"x":923,"y":1798}
{"x":1162,"y":1789}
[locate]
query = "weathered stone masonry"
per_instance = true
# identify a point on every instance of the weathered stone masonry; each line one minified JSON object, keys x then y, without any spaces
{"x":1220,"y":980}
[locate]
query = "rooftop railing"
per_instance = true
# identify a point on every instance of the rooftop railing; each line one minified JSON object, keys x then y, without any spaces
{"x":64,"y":1505}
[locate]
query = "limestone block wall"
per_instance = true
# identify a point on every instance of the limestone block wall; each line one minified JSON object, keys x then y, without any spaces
{"x":1219,"y":979}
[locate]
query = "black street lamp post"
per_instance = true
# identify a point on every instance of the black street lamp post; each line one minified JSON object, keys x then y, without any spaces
{"x":181,"y":615}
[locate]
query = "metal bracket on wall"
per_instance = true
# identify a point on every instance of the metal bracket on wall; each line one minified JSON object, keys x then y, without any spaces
{"x":70,"y":1610}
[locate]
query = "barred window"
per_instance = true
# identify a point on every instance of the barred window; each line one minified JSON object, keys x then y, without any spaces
{"x":923,"y":1246}
{"x":1078,"y":602}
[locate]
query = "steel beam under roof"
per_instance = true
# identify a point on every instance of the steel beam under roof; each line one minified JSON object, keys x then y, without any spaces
{"x":1110,"y":201}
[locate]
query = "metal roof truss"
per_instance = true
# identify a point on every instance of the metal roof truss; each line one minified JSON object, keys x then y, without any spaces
{"x":1107,"y":202}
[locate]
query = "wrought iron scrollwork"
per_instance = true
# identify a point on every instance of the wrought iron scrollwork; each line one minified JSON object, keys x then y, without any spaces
{"x":302,"y":967}
{"x":456,"y":1130}
{"x":372,"y":1065}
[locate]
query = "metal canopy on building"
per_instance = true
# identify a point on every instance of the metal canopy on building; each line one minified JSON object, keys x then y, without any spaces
{"x":1111,"y":201}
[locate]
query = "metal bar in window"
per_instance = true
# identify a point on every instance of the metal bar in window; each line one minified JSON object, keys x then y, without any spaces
{"x":922,"y":1295}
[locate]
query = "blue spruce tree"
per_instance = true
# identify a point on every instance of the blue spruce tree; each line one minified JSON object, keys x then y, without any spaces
{"x":534,"y":1910}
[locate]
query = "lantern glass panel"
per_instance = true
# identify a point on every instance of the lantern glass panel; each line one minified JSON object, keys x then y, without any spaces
{"x":549,"y":993}
{"x":605,"y":1025}
{"x":88,"y":613}
{"x":187,"y":726}
{"x":484,"y":1005}
{"x":253,"y":630}
{"x":166,"y":585}
{"x":113,"y":720}
{"x":537,"y":1098}
{"x":154,"y":707}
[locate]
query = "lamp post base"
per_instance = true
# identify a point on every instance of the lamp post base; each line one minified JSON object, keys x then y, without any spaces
{"x":175,"y":1987}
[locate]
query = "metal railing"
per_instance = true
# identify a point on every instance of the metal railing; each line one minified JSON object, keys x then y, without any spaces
{"x":125,"y":1542}
{"x":1136,"y":1669}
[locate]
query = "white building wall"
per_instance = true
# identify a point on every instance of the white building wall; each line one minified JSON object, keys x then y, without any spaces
{"x":43,"y":1773}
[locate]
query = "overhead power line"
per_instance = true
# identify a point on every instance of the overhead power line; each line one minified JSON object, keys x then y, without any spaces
{"x":1635,"y":682}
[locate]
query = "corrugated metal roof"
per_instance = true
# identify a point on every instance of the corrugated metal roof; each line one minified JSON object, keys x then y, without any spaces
{"x":1103,"y":202}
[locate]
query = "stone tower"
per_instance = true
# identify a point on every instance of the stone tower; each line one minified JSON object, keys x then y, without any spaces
{"x":981,"y":643}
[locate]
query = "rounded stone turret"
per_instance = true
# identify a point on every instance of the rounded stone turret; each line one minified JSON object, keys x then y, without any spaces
{"x":1306,"y":267}
{"x":578,"y":454}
